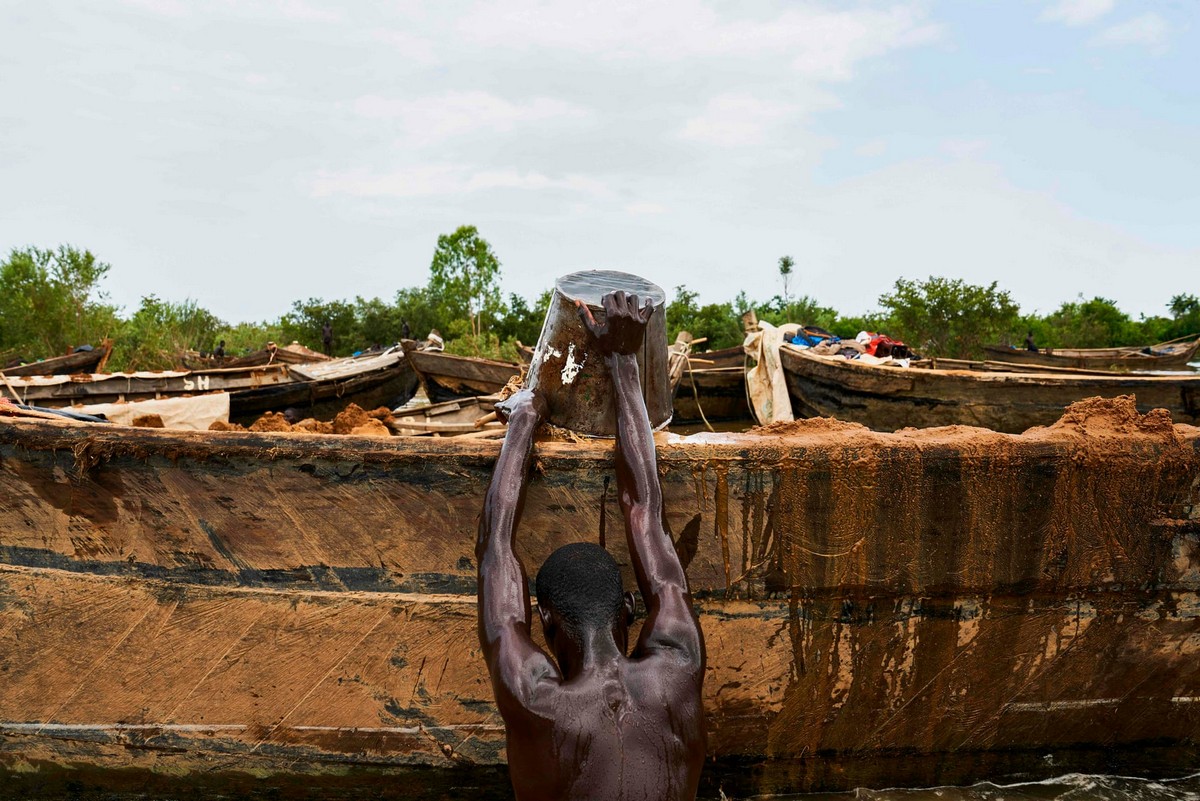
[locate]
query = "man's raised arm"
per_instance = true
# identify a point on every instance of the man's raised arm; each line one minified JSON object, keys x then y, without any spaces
{"x":503,"y":589}
{"x":670,"y":622}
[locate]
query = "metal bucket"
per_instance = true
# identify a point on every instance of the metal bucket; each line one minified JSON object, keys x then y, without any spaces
{"x":569,"y":371}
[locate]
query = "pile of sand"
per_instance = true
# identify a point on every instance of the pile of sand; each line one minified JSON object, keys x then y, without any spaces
{"x":1113,"y":417}
{"x":812,"y":425}
{"x":353,"y":420}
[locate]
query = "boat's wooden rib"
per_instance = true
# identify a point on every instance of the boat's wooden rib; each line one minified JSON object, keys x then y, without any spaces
{"x":446,"y":377}
{"x":890,"y":398}
{"x":81,"y":362}
{"x":946,"y":600}
{"x":1165,"y":356}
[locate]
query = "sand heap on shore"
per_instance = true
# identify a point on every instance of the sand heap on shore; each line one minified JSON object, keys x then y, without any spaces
{"x":351,"y":420}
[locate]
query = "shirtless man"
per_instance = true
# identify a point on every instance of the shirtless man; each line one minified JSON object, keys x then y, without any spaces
{"x":594,"y":724}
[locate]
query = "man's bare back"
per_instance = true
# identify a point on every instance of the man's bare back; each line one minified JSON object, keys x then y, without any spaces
{"x":592,"y":722}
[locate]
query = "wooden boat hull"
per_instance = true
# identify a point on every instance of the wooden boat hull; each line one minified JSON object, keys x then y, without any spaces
{"x":720,"y":393}
{"x":253,"y":390}
{"x":925,"y":608}
{"x":446,"y":377}
{"x":83,"y":362}
{"x":891,"y":398}
{"x":117,"y":387}
{"x":1174,"y":357}
{"x":391,"y":385}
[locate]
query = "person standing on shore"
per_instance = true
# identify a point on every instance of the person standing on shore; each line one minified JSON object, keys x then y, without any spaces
{"x":593,"y":723}
{"x":327,"y":337}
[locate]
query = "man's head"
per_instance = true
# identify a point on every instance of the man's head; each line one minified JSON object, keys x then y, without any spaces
{"x":579,"y":593}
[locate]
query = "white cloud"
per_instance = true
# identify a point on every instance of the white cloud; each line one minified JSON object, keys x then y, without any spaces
{"x":872,"y":149}
{"x":412,"y":47}
{"x":644,"y":207}
{"x":1077,"y":12}
{"x":735,"y":121}
{"x":817,"y":42}
{"x":429,"y":120}
{"x":430,"y":180}
{"x":1148,"y":30}
{"x":964,"y":148}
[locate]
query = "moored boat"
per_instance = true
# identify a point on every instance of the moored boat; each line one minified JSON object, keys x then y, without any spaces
{"x":926,"y":608}
{"x":1174,"y":355}
{"x":320,"y":389}
{"x":82,"y":361}
{"x":887,"y":398}
{"x":446,"y":377}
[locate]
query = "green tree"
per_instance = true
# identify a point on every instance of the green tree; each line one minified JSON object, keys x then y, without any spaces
{"x":520,"y":322}
{"x":50,"y":301}
{"x":465,"y":275}
{"x":786,"y":263}
{"x":949,"y":317}
{"x":243,"y":338}
{"x":379,"y":322}
{"x":1185,"y":313}
{"x":421,"y":310}
{"x":803,"y":310}
{"x":1095,"y":323}
{"x":719,"y":323}
{"x":307,"y":317}
{"x":159,"y":332}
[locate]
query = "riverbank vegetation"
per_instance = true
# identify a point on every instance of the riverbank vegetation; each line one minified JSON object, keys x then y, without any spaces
{"x":52,"y":300}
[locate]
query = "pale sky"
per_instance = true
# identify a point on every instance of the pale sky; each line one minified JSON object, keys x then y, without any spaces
{"x":249,"y":153}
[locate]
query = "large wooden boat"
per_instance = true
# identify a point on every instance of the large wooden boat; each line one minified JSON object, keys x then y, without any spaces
{"x":924,"y":608}
{"x":294,"y":353}
{"x":1173,"y":355}
{"x":446,"y":377}
{"x":84,"y":361}
{"x":889,"y":398}
{"x":64,"y":390}
{"x":320,"y":389}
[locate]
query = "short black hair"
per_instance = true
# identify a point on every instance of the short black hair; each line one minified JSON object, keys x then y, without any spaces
{"x":582,"y":583}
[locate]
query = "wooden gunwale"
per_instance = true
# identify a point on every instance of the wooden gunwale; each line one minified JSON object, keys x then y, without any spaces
{"x":1126,"y":358}
{"x":304,"y":602}
{"x":890,"y":398}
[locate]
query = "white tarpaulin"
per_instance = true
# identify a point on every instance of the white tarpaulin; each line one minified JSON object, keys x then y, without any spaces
{"x":196,"y":413}
{"x":765,"y":382}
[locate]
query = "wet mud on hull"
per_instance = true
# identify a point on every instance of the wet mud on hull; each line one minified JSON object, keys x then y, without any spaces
{"x":920,"y":608}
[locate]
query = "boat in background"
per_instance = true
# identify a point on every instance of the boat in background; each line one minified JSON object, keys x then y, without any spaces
{"x":81,"y":361}
{"x":1173,"y":355}
{"x":294,"y":353}
{"x":446,"y":377}
{"x":320,"y":389}
{"x":713,"y":388}
{"x":887,"y":398}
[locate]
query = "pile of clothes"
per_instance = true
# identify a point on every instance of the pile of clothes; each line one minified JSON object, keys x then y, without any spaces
{"x":879,"y":347}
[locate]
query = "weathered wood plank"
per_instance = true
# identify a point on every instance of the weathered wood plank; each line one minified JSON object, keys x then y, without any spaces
{"x":943,"y":594}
